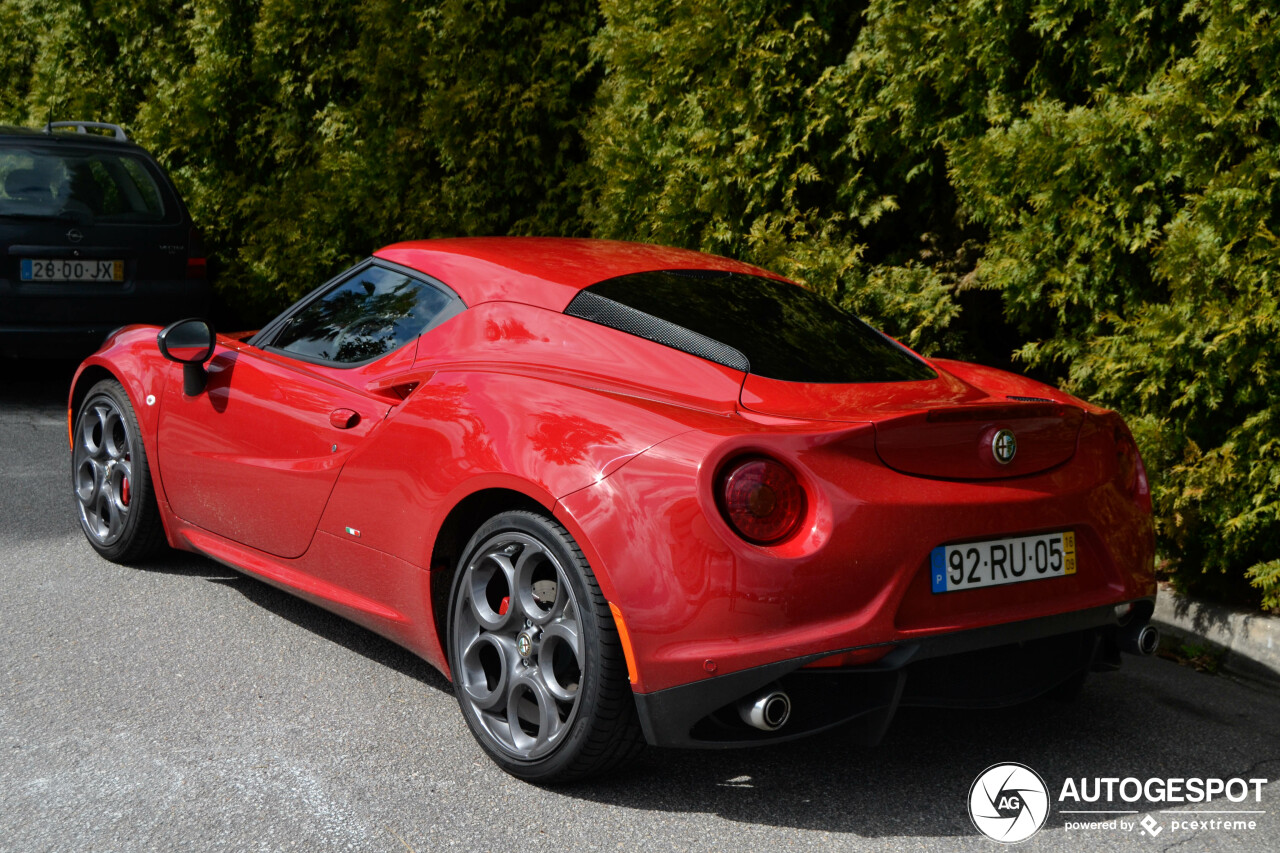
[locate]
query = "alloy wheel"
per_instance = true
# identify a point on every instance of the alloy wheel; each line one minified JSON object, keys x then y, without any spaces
{"x":520,"y":650}
{"x":103,"y":466}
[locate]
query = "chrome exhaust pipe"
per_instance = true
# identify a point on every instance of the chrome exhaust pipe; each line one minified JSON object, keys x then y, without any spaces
{"x":1140,"y":639}
{"x":767,"y":711}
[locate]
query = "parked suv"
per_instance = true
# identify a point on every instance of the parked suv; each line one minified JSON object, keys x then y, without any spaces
{"x":93,"y":236}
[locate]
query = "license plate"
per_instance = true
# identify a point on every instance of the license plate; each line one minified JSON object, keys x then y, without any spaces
{"x":42,"y":269}
{"x":1000,"y":561}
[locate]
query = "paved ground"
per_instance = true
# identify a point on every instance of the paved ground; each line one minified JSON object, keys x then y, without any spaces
{"x":186,"y":707}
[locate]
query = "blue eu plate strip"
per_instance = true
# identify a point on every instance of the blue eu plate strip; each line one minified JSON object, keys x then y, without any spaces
{"x":938,"y":564}
{"x":26,"y":269}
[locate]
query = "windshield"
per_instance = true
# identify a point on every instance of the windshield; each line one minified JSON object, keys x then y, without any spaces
{"x":39,"y":182}
{"x":771,"y":328}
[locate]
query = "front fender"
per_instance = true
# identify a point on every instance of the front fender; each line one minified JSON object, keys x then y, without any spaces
{"x":130,"y":356}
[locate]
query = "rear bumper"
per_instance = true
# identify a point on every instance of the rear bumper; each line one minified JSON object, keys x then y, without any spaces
{"x":72,"y":321}
{"x":60,"y":341}
{"x":992,"y":666}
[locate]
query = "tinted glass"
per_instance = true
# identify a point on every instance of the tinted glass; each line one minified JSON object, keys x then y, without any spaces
{"x":367,"y":316}
{"x":92,"y":185}
{"x":780,"y":330}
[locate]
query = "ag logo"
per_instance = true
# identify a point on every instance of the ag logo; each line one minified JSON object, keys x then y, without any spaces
{"x":1008,"y":803}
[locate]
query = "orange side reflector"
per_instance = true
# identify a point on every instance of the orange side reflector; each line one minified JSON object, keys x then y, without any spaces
{"x":626,"y":644}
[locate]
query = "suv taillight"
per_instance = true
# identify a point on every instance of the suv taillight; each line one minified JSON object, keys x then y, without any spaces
{"x":197,"y":265}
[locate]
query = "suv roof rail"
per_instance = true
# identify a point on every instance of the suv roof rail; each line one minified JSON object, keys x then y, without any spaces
{"x":83,"y":127}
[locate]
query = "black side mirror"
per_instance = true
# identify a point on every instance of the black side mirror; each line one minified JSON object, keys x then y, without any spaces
{"x":190,"y":343}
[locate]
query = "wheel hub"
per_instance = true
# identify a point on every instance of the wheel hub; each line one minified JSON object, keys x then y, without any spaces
{"x":524,"y":644}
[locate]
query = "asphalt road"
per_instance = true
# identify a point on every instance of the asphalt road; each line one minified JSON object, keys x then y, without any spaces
{"x":183,"y":706}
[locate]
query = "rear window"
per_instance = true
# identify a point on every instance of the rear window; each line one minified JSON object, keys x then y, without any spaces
{"x":770,"y":328}
{"x":79,"y":183}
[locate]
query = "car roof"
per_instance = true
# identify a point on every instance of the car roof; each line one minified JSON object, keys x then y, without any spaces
{"x":62,"y":137}
{"x":12,"y":130}
{"x":543,"y":271}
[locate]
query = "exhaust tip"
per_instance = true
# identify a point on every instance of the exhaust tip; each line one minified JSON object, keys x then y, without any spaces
{"x":768,"y":711}
{"x":1142,"y":641}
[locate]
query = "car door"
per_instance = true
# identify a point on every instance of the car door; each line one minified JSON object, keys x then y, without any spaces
{"x":254,"y":457}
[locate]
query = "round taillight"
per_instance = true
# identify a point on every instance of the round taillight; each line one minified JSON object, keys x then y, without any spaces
{"x":761,"y":499}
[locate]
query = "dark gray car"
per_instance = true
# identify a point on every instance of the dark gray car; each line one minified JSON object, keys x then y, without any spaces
{"x":93,"y":236}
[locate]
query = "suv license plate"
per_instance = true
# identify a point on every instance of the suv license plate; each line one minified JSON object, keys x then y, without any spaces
{"x":1000,"y":561}
{"x":65,"y":270}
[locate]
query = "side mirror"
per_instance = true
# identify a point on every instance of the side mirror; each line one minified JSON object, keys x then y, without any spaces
{"x":190,"y":343}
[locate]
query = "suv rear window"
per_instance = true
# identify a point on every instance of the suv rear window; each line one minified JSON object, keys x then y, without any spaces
{"x":770,"y":328}
{"x":39,"y":181}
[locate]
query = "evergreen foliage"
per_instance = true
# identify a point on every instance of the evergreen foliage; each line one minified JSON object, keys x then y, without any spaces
{"x":1083,"y":187}
{"x":306,"y":133}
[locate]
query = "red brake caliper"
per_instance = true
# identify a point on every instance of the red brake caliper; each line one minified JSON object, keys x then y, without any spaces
{"x":124,"y":491}
{"x":502,"y":608}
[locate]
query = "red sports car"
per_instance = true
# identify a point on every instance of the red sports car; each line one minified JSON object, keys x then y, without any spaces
{"x":624,"y":494}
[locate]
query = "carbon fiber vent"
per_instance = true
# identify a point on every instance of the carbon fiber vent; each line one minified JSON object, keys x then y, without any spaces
{"x":1029,"y":399}
{"x":615,"y":315}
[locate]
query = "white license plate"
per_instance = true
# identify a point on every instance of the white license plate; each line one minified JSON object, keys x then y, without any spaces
{"x":1000,"y":561}
{"x":59,"y":269}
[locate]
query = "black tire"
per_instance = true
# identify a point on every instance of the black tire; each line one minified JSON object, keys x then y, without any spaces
{"x":521,"y":593}
{"x":111,"y":480}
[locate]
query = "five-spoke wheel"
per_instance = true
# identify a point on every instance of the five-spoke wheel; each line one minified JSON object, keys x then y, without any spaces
{"x":103,"y":468}
{"x":536,"y":661}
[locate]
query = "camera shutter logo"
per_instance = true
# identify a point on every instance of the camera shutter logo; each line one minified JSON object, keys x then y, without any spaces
{"x":1008,"y":802}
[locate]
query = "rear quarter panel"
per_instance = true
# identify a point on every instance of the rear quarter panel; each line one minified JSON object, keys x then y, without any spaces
{"x":699,"y":601}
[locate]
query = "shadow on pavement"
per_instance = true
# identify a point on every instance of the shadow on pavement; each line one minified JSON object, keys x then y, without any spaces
{"x":1152,"y":719}
{"x":303,"y":614}
{"x":917,"y":781}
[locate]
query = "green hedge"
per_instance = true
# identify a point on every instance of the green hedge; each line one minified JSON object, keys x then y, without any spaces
{"x":1083,"y":189}
{"x":306,"y":133}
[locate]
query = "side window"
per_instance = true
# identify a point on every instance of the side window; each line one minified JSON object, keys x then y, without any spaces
{"x":365,"y":317}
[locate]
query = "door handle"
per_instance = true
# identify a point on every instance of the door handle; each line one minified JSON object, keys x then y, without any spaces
{"x":343,"y":418}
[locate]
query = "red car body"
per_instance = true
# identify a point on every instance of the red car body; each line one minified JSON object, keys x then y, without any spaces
{"x":357,"y":487}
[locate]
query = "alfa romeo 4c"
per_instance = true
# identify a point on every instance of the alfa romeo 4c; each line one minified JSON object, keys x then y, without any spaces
{"x":622,"y":494}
